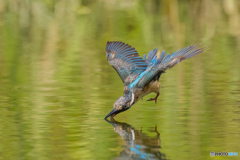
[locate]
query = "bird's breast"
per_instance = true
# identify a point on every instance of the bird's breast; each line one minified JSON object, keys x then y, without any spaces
{"x":153,"y":86}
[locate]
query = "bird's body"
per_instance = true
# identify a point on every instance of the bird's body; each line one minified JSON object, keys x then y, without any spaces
{"x":141,"y":76}
{"x":153,"y":86}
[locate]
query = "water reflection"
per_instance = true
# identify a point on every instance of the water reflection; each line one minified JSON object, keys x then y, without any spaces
{"x":138,"y":145}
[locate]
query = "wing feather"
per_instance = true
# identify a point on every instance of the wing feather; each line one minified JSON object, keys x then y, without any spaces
{"x":159,"y":64}
{"x":125,"y":60}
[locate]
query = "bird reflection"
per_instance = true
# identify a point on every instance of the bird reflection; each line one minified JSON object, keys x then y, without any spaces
{"x":138,"y":145}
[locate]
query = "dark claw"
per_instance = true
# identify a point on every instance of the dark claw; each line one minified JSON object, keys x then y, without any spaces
{"x":151,"y":99}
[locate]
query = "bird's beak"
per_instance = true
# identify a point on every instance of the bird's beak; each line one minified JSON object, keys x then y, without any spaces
{"x":112,"y":113}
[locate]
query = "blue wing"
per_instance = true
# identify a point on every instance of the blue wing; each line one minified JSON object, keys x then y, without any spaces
{"x":125,"y":60}
{"x":150,"y":56}
{"x":158,"y":63}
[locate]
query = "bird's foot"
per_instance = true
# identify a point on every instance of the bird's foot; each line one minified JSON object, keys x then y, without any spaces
{"x":151,"y":99}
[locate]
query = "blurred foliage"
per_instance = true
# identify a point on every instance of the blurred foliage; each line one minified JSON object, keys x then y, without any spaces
{"x":56,"y":85}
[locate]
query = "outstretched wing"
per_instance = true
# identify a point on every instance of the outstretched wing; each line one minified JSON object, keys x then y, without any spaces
{"x":159,"y":63}
{"x":125,"y":60}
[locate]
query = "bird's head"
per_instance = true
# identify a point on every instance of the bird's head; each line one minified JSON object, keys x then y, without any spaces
{"x":121,"y":104}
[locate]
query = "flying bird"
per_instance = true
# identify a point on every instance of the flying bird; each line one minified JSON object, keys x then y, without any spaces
{"x":140,"y":76}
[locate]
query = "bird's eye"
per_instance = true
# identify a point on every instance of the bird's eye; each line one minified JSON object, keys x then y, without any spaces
{"x":124,"y":106}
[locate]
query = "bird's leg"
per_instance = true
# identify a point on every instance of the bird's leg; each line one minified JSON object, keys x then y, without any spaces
{"x":151,"y":99}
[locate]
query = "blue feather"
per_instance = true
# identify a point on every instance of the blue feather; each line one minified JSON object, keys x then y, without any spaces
{"x":158,"y":65}
{"x":144,"y":57}
{"x":162,"y":55}
{"x":151,"y":54}
{"x":124,"y":59}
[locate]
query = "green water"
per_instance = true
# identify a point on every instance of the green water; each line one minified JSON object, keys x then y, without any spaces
{"x":56,"y":85}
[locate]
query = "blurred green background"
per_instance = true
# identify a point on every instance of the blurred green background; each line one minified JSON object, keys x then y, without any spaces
{"x":56,"y":85}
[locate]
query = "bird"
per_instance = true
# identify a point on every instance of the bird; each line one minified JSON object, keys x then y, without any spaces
{"x":140,"y":76}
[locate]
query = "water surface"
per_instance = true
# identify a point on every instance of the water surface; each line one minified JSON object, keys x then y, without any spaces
{"x":56,"y":85}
